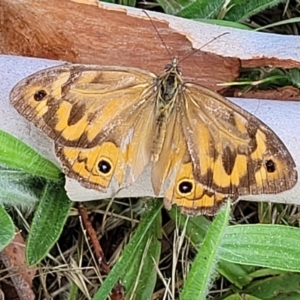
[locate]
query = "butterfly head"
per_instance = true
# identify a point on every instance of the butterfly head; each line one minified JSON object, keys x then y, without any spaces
{"x":174,"y":67}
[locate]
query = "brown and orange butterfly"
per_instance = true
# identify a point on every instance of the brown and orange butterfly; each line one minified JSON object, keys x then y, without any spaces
{"x":111,"y":122}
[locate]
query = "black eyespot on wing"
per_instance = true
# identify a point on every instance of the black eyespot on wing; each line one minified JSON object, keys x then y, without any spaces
{"x":104,"y":166}
{"x":40,"y":95}
{"x":185,"y":187}
{"x":270,"y":166}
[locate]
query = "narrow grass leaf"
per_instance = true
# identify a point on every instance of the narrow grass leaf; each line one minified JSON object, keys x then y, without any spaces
{"x":280,"y":23}
{"x":48,"y":222}
{"x":140,"y":278}
{"x":7,"y":228}
{"x":17,"y":155}
{"x":225,"y":23}
{"x":148,"y":231}
{"x":200,"y":277}
{"x":196,"y":229}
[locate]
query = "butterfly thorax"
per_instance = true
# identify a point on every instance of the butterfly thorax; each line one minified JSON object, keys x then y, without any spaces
{"x":169,"y":85}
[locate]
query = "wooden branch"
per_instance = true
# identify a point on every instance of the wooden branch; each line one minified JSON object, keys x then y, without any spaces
{"x":86,"y":33}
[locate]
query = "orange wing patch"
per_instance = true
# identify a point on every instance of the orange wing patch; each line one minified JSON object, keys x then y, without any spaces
{"x":94,"y":167}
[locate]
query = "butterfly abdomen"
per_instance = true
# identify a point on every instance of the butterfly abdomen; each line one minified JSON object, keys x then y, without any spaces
{"x":168,"y":86}
{"x":159,"y":137}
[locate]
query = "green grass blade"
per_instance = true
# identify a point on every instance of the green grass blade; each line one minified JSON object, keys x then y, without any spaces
{"x":140,"y":278}
{"x":196,"y":229}
{"x":279,"y":23}
{"x":200,"y":276}
{"x":48,"y":222}
{"x":241,"y":296}
{"x":148,"y":231}
{"x":225,"y":23}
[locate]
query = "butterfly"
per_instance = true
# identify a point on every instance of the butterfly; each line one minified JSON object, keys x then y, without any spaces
{"x":110,"y":122}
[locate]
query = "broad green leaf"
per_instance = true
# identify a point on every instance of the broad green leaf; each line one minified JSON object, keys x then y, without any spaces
{"x":17,"y":155}
{"x":239,"y":275}
{"x":47,"y":224}
{"x":18,"y":188}
{"x":294,"y":76}
{"x":234,"y":10}
{"x":241,"y":296}
{"x":201,"y":9}
{"x":242,"y":9}
{"x":196,"y":229}
{"x":133,"y":256}
{"x":7,"y":229}
{"x":285,"y":286}
{"x":200,"y":276}
{"x":272,"y":246}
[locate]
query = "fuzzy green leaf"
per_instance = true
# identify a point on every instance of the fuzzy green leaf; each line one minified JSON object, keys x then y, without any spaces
{"x":7,"y":228}
{"x":204,"y":9}
{"x":242,"y":9}
{"x":17,"y":155}
{"x":200,"y":277}
{"x":273,"y":246}
{"x":18,"y":188}
{"x":48,"y":222}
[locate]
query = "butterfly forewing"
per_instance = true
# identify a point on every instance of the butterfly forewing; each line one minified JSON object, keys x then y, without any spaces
{"x":68,"y":102}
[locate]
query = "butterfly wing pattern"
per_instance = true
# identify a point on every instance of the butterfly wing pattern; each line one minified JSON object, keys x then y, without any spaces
{"x":109,"y":123}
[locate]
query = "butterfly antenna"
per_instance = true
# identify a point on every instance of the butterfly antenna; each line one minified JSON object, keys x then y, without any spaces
{"x":145,"y":12}
{"x":196,"y":50}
